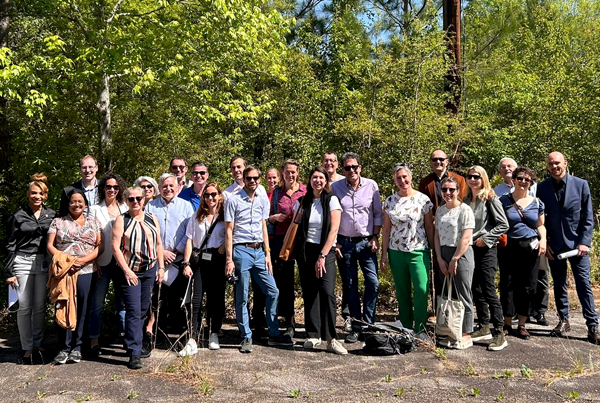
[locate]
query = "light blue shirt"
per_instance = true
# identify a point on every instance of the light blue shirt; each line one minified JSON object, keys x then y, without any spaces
{"x":247,"y":216}
{"x":91,"y":195}
{"x":172,"y":218}
{"x":503,"y":189}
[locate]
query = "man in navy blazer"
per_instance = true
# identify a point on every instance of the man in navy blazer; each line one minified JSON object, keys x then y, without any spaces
{"x":569,"y":225}
{"x":88,"y":167}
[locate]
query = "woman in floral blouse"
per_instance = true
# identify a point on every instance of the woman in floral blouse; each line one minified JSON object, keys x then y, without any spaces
{"x":76,"y":235}
{"x":407,"y":236}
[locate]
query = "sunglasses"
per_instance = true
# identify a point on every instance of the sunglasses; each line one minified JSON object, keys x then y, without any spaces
{"x":438,"y":159}
{"x":147,"y":187}
{"x":448,"y":190}
{"x":214,"y":195}
{"x":474,"y":177}
{"x":523,"y":179}
{"x":252,"y":178}
{"x":349,"y":168}
{"x":198,"y":173}
{"x":178,"y":167}
{"x":109,"y":187}
{"x":134,"y":199}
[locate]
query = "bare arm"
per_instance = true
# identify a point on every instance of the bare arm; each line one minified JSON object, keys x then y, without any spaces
{"x":430,"y":228}
{"x":542,"y":231}
{"x":115,"y":246}
{"x":229,"y":266}
{"x":160,"y":253}
{"x":438,"y":253}
{"x":266,"y":245}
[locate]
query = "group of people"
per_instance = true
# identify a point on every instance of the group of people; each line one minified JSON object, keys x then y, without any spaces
{"x":167,"y":244}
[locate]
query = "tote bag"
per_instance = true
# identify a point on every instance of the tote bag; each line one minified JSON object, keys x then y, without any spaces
{"x":450,"y":313}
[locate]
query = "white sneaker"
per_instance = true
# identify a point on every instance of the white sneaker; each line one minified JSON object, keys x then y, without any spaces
{"x":213,"y":342}
{"x":190,"y":348}
{"x":312,"y":343}
{"x":336,"y":347}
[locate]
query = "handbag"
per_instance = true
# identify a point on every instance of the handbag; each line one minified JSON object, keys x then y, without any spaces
{"x":450,"y":313}
{"x":290,"y":236}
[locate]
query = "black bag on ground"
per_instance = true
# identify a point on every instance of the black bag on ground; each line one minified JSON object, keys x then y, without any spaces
{"x":389,"y":339}
{"x":381,"y":344}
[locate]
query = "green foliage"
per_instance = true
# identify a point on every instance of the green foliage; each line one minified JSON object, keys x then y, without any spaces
{"x":526,"y":372}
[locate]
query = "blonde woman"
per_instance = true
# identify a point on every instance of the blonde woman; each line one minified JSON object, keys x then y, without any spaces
{"x":26,"y":263}
{"x":490,"y":223}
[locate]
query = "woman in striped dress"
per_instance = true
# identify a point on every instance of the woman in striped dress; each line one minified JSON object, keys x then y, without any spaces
{"x":137,"y":247}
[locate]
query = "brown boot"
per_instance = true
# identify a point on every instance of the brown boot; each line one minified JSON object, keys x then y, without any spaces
{"x":594,"y":335}
{"x":563,"y":327}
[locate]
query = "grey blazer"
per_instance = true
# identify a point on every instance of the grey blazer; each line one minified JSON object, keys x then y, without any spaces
{"x":490,"y":220}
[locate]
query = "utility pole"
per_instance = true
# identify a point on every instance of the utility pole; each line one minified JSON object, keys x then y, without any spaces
{"x":453,"y":84}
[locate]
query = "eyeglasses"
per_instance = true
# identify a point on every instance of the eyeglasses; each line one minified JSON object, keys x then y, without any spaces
{"x":331,"y":161}
{"x":109,"y":187}
{"x":349,"y":168}
{"x":76,"y":202}
{"x":438,"y":159}
{"x":194,"y":173}
{"x":252,"y":178}
{"x":214,"y":195}
{"x":178,"y":167}
{"x":523,"y":179}
{"x":147,"y":187}
{"x":134,"y":199}
{"x":448,"y":190}
{"x":474,"y":177}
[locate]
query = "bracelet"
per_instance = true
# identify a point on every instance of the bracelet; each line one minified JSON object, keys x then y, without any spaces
{"x":161,"y":268}
{"x":267,"y":249}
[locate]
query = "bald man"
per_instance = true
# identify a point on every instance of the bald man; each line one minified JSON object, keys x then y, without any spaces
{"x":569,"y":225}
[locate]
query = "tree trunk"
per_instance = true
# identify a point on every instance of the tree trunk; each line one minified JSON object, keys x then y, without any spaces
{"x":452,"y":29}
{"x":4,"y":129}
{"x":103,"y":107}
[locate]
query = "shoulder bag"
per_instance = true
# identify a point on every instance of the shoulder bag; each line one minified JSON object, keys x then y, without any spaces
{"x":197,"y":254}
{"x":450,"y":313}
{"x":290,"y":236}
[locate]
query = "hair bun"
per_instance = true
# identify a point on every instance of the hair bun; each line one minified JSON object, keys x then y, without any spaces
{"x":39,"y":177}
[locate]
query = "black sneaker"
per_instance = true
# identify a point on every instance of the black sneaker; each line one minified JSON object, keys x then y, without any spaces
{"x":281,"y":340}
{"x":74,"y":356}
{"x":95,"y":352}
{"x":541,"y":320}
{"x":61,"y":358}
{"x":246,"y":346}
{"x":135,"y":362}
{"x":352,"y":337}
{"x":146,"y":350}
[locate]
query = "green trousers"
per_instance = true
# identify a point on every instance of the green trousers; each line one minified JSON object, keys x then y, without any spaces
{"x":410,"y":276}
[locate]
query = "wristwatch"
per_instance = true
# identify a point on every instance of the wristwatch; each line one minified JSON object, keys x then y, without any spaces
{"x":323,"y":255}
{"x":185,"y":264}
{"x":161,"y":268}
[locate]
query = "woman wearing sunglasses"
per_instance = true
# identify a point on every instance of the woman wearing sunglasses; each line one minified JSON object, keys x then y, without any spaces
{"x":110,"y":196}
{"x":406,"y":236}
{"x":490,"y":223}
{"x":454,"y":223}
{"x":526,"y":243}
{"x":149,"y":186}
{"x":206,"y":238}
{"x":137,"y":247}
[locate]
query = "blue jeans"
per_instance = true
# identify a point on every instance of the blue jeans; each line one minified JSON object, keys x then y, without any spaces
{"x":355,"y":253}
{"x":580,"y":265}
{"x":251,"y":262}
{"x":99,"y":290}
{"x":72,"y":340}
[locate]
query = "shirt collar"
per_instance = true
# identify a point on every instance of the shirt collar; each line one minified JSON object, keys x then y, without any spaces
{"x":352,"y":187}
{"x":94,"y":186}
{"x":438,"y":179}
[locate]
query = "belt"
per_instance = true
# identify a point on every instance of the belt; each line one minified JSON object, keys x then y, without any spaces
{"x":355,"y":238}
{"x":257,"y":245}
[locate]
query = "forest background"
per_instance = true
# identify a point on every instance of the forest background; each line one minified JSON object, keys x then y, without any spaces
{"x":136,"y":82}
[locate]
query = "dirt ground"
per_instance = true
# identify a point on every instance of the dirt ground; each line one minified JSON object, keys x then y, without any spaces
{"x":543,"y":369}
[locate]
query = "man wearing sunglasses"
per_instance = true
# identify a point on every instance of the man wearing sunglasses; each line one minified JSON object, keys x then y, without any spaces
{"x":506,"y":166}
{"x":247,"y":255}
{"x":570,"y":224}
{"x":179,"y":168}
{"x":431,"y":184}
{"x":88,"y":167}
{"x":199,"y":175}
{"x":358,"y":240}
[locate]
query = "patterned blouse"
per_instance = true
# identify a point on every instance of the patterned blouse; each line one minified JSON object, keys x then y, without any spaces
{"x":74,"y":239}
{"x":450,"y":223}
{"x":138,"y":243}
{"x":407,"y":215}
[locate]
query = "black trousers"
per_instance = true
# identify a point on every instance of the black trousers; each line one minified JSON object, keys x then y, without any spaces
{"x":209,"y":277}
{"x":540,"y":303}
{"x":318,"y":294}
{"x":484,"y":287}
{"x":518,"y":277}
{"x":171,"y":314}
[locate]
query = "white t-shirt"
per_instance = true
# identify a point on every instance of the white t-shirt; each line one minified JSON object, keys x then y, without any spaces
{"x":450,"y":223}
{"x":196,"y":231}
{"x":315,"y":222}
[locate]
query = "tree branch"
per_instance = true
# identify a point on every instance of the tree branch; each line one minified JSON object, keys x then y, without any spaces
{"x":114,"y":11}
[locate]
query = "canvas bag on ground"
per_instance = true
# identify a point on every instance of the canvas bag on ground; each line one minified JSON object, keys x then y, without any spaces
{"x":450,"y":313}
